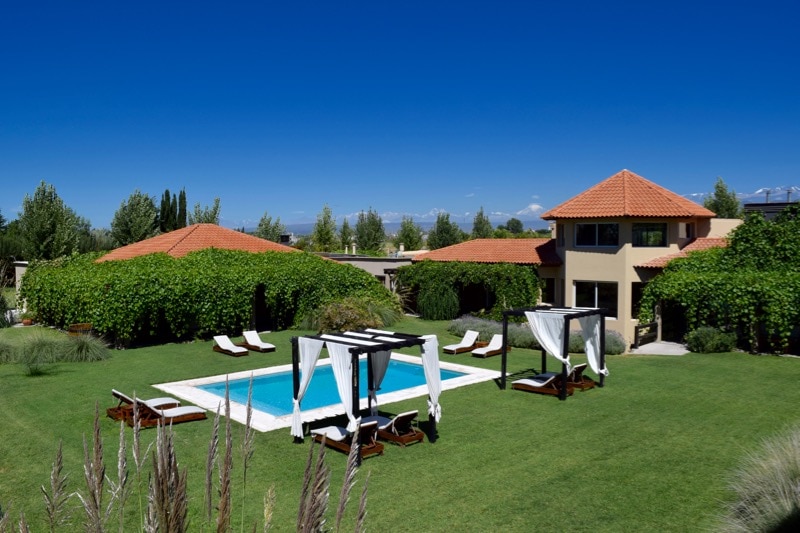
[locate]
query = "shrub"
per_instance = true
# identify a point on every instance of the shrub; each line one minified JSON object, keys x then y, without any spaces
{"x":346,"y":314}
{"x":36,"y":351}
{"x":83,"y":349}
{"x":6,"y":352}
{"x":438,"y":303}
{"x":766,"y":488}
{"x":4,"y":321}
{"x":710,"y":340}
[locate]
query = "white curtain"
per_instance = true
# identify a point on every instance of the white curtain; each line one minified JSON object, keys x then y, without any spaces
{"x":548,"y":328}
{"x":430,"y":363}
{"x":342,"y":365}
{"x":309,"y":354}
{"x":380,"y":362}
{"x":590,"y":331}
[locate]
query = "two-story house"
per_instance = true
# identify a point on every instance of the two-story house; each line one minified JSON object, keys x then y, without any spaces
{"x":616,"y":236}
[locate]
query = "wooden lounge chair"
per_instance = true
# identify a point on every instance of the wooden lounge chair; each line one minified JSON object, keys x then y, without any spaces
{"x":465,"y":344}
{"x":548,"y":383}
{"x":225,"y":345}
{"x":149,"y":417}
{"x":495,"y":347}
{"x":339,"y":438}
{"x":252,"y":341}
{"x":124,"y":409}
{"x":577,"y":380}
{"x":398,"y":429}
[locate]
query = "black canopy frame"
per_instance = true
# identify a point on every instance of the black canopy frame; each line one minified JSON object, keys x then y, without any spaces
{"x":569,"y":313}
{"x":404,"y":340}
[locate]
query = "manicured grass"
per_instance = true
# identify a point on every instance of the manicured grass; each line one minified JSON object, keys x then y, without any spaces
{"x":653,"y":450}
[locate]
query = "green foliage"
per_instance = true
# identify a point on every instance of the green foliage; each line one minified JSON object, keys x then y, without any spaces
{"x":182,"y":213}
{"x":514,"y":225}
{"x":269,"y":230}
{"x":710,"y":340}
{"x":439,"y":302}
{"x":409,"y":235}
{"x":765,"y":488}
{"x":6,"y":352}
{"x":481,"y":226}
{"x":48,"y":228}
{"x":723,"y":202}
{"x":444,"y":233}
{"x":751,"y":287}
{"x":346,"y":235}
{"x":4,"y":321}
{"x":135,"y":220}
{"x":204,"y":215}
{"x":370,"y":234}
{"x":323,"y":237}
{"x":512,"y":285}
{"x":207,"y":292}
{"x":83,"y":349}
{"x":36,"y":352}
{"x":352,"y":313}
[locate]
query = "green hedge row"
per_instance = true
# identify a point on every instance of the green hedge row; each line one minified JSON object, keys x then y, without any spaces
{"x":205,"y":293}
{"x":438,"y":282}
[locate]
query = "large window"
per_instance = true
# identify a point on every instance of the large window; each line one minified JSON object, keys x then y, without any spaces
{"x":596,"y":294}
{"x":605,"y":234}
{"x":548,"y":291}
{"x":650,"y":234}
{"x":637,"y":289}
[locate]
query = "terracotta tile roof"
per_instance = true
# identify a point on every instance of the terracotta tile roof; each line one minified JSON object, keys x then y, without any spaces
{"x":519,"y":251}
{"x":626,"y":194}
{"x":180,"y":242}
{"x":694,"y":246}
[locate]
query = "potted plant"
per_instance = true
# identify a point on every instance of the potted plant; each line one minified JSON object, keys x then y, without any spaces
{"x":27,"y":318}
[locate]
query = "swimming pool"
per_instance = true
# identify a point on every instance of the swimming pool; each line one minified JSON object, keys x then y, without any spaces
{"x":274,"y":410}
{"x":273,"y":393}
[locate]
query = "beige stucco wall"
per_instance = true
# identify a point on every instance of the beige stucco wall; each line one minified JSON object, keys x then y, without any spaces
{"x":617,"y":264}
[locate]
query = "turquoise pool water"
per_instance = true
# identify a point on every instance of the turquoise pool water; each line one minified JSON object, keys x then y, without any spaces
{"x":272,"y":393}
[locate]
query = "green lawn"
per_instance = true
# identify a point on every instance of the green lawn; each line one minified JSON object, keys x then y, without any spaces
{"x":650,"y":451}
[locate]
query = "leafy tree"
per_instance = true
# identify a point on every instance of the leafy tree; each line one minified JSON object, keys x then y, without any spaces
{"x":409,"y":235}
{"x":135,"y":220}
{"x":514,"y":225}
{"x":481,"y":226}
{"x":723,"y":202}
{"x":205,"y":215}
{"x":267,"y":229}
{"x":3,"y":223}
{"x":324,"y":235}
{"x":370,"y":234}
{"x":444,"y":233}
{"x":48,"y":228}
{"x":346,"y":234}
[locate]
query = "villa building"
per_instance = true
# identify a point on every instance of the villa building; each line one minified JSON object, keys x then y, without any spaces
{"x":609,"y":241}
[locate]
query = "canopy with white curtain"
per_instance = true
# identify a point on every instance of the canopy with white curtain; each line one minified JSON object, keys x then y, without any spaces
{"x":344,"y":350}
{"x":551,"y":327}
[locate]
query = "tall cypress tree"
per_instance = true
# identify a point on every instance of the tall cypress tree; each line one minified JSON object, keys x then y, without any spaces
{"x":182,"y":209}
{"x":163,"y":212}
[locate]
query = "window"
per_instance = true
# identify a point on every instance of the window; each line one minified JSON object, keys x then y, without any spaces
{"x":560,"y":235}
{"x":597,"y":234}
{"x":596,"y":294}
{"x":686,"y":230}
{"x":650,"y":234}
{"x":548,"y":290}
{"x":637,"y":288}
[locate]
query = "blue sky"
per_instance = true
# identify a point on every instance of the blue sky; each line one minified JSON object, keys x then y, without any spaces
{"x":405,"y":108}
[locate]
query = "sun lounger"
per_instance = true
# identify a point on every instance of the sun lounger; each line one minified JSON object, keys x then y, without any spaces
{"x":466,"y":344}
{"x":225,"y":345}
{"x":124,"y":409}
{"x":578,"y":380}
{"x":495,"y":347}
{"x":252,"y":341}
{"x":398,"y":429}
{"x":548,"y":383}
{"x":149,"y":417}
{"x":340,"y":439}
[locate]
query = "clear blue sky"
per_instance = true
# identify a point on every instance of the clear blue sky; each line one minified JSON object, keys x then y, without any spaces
{"x":403,"y":107}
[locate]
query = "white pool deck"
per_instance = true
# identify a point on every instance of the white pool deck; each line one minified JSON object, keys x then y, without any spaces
{"x":188,"y":390}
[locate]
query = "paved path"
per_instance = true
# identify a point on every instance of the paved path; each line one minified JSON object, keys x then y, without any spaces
{"x":661,"y":348}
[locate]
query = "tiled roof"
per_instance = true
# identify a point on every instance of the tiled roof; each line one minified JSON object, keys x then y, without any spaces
{"x":519,"y":251}
{"x":180,"y":242}
{"x":626,"y":194}
{"x":694,"y":246}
